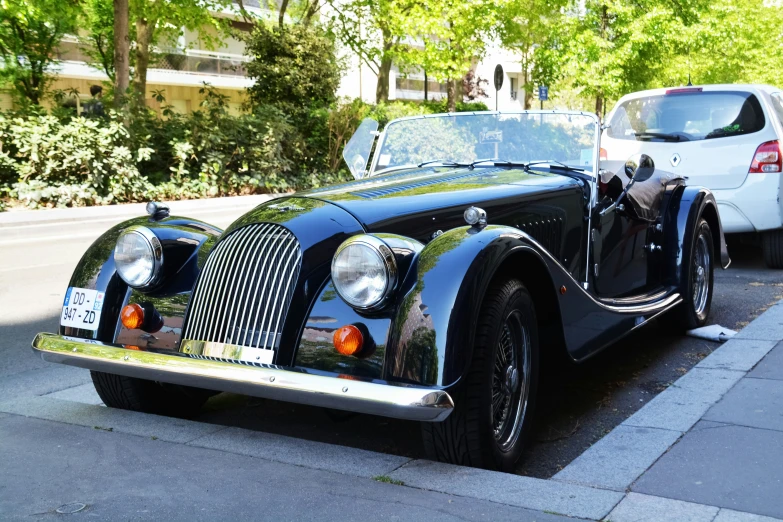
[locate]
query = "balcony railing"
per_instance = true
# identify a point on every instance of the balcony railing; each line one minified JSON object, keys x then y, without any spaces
{"x":186,"y":61}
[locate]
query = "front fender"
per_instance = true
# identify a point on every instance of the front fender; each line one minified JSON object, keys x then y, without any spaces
{"x":185,"y":242}
{"x":432,"y":333}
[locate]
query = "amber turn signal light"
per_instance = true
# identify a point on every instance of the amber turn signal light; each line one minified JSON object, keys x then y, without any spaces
{"x":132,"y":316}
{"x":348,"y":340}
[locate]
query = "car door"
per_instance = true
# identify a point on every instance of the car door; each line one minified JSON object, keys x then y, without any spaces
{"x":619,"y":254}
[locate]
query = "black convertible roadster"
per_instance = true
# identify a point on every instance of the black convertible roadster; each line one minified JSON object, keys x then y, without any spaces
{"x":469,"y":246}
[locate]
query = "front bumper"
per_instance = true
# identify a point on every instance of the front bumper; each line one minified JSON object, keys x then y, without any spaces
{"x":388,"y":400}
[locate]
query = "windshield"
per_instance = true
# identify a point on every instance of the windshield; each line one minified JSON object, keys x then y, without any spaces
{"x":568,"y":138}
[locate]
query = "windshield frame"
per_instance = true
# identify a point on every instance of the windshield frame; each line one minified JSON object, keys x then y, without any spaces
{"x":382,"y":138}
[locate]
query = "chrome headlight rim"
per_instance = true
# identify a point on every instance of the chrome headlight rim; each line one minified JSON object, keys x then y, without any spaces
{"x":156,"y":248}
{"x":386,"y":256}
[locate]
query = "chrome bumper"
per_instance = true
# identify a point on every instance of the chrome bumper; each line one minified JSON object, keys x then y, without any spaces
{"x":389,"y":400}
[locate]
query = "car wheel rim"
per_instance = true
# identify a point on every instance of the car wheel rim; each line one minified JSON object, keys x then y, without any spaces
{"x":701,"y":275}
{"x":510,"y":381}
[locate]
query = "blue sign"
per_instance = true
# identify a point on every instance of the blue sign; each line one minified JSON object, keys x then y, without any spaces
{"x":543,"y":92}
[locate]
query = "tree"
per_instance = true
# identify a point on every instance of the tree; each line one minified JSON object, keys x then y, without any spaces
{"x":29,"y":36}
{"x":121,"y":51}
{"x":374,"y":30}
{"x":526,"y":26}
{"x":607,"y":48}
{"x":731,"y":43}
{"x":449,"y":36}
{"x":159,"y":21}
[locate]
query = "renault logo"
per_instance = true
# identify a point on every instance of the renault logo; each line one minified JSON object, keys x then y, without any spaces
{"x":675,"y":159}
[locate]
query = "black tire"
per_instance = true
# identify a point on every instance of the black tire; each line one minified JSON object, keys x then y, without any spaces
{"x":130,"y":393}
{"x":468,"y":436}
{"x":693,"y":312}
{"x":772,"y":245}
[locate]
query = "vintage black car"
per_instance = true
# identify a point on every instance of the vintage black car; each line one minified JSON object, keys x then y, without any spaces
{"x":427,"y":289}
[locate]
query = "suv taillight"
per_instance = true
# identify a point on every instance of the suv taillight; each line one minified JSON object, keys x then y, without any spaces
{"x":767,"y":158}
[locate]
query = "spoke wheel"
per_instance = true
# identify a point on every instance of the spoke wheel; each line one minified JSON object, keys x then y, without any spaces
{"x":510,"y":381}
{"x":701,"y":276}
{"x":494,"y":401}
{"x":697,"y":283}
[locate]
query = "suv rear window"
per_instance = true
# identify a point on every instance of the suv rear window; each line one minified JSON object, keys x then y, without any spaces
{"x":687,"y":116}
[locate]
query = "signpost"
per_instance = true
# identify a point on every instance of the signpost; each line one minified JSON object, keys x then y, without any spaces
{"x":498,"y":82}
{"x":543,"y":94}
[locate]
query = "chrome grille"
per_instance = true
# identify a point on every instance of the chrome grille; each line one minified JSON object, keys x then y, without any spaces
{"x":241,"y":298}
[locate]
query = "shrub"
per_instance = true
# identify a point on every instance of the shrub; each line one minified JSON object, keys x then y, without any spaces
{"x":293,"y":66}
{"x":74,"y":162}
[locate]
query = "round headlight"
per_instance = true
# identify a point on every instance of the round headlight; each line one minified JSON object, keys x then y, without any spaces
{"x":364,"y":271}
{"x":138,"y":256}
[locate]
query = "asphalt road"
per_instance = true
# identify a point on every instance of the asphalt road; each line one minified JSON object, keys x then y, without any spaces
{"x":577,"y":404}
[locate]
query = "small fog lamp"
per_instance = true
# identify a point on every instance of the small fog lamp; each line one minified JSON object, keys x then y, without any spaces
{"x":475,"y":216}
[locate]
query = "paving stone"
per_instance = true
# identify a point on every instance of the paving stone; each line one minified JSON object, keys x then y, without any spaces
{"x":109,"y":419}
{"x":84,"y":394}
{"x":729,"y":515}
{"x":527,"y":492}
{"x":682,"y":404}
{"x":734,"y":467}
{"x":768,"y":326}
{"x":616,"y":460}
{"x":752,"y":402}
{"x":644,"y":508}
{"x":310,"y":454}
{"x":771,"y":366}
{"x":737,"y":354}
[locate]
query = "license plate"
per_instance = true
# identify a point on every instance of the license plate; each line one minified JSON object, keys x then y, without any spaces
{"x":82,"y":308}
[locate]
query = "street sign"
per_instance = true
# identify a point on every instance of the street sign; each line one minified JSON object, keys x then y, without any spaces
{"x":543,"y":92}
{"x":498,"y":77}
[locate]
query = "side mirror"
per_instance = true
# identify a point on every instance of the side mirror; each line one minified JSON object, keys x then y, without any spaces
{"x":639,"y":167}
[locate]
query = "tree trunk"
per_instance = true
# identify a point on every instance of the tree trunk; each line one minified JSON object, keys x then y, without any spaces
{"x":451,"y":94}
{"x":382,"y":87}
{"x":144,"y":31}
{"x":121,"y":51}
{"x":599,"y":106}
{"x":281,"y":16}
{"x":426,"y":87}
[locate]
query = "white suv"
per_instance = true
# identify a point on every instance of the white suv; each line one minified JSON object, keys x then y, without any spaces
{"x":725,"y":137}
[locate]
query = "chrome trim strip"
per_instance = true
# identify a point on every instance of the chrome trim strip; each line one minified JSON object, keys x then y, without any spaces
{"x":389,"y":400}
{"x":648,"y":307}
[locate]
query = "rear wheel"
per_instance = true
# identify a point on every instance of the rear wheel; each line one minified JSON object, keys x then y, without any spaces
{"x":493,"y":408}
{"x":697,"y":290}
{"x":130,"y":393}
{"x":772,"y":245}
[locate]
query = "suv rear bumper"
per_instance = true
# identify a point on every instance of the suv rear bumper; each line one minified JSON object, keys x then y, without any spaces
{"x":389,"y":400}
{"x":752,"y":207}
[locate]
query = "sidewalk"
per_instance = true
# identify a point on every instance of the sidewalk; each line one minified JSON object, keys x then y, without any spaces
{"x":708,"y":447}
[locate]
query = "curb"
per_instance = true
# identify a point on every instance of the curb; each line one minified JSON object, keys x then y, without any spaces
{"x":594,"y":486}
{"x":21,"y":218}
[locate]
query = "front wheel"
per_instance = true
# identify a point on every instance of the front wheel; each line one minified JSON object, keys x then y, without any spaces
{"x":130,"y":393}
{"x":493,"y":407}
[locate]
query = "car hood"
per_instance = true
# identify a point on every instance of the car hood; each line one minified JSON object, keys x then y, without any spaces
{"x":418,"y":202}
